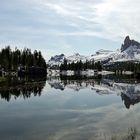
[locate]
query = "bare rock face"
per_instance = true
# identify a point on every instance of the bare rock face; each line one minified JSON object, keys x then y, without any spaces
{"x":128,"y":42}
{"x":57,"y":58}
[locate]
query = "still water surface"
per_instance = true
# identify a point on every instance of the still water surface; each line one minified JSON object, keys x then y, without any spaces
{"x":60,"y":108}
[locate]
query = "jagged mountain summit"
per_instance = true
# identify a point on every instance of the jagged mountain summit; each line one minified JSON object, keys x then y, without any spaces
{"x":56,"y":60}
{"x":128,"y":43}
{"x":129,"y":51}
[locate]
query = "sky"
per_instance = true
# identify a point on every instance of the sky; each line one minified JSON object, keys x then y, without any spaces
{"x":68,"y":26}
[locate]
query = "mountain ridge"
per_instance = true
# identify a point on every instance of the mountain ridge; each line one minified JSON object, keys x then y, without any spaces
{"x":129,"y":51}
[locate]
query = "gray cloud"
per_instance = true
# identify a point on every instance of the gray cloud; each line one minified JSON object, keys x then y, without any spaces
{"x":38,"y":23}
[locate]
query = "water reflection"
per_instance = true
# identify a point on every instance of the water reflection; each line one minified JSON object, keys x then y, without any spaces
{"x":130,"y":100}
{"x":70,"y":108}
{"x":22,"y":87}
{"x":126,"y":87}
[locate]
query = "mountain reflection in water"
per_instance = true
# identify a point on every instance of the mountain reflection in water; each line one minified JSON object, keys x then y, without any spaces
{"x":126,"y":87}
{"x":70,"y":108}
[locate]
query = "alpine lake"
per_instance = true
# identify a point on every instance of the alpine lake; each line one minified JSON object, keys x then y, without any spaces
{"x":70,"y":108}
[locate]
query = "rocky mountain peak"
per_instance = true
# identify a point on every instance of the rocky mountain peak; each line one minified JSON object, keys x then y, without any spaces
{"x":56,"y":60}
{"x":57,"y":57}
{"x":77,"y":54}
{"x":128,"y":42}
{"x":130,"y":50}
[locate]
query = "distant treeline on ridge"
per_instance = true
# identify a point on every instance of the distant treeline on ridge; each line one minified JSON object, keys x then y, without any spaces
{"x":78,"y":66}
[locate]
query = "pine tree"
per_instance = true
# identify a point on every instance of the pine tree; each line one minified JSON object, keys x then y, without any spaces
{"x":10,"y":60}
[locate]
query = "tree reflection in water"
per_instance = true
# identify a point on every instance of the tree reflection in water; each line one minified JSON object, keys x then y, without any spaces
{"x":127,"y":87}
{"x":21,"y":87}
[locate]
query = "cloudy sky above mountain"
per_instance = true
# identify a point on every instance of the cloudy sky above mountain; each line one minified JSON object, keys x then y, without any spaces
{"x":68,"y":26}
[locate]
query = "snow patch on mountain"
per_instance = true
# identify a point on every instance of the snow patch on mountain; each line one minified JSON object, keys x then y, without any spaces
{"x":102,"y":55}
{"x":130,"y":51}
{"x":76,"y":58}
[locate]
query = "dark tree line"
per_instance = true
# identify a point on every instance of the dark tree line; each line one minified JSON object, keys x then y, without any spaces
{"x":24,"y":91}
{"x":23,"y":87}
{"x":124,"y":66}
{"x":78,"y":66}
{"x":11,"y":60}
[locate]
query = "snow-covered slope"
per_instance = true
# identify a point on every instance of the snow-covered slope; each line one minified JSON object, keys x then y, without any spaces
{"x":76,"y":58}
{"x":130,"y":50}
{"x":58,"y":59}
{"x":103,"y":55}
{"x":131,"y":53}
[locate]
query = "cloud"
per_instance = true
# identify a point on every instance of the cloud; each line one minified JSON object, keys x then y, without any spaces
{"x":50,"y":23}
{"x":114,"y":19}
